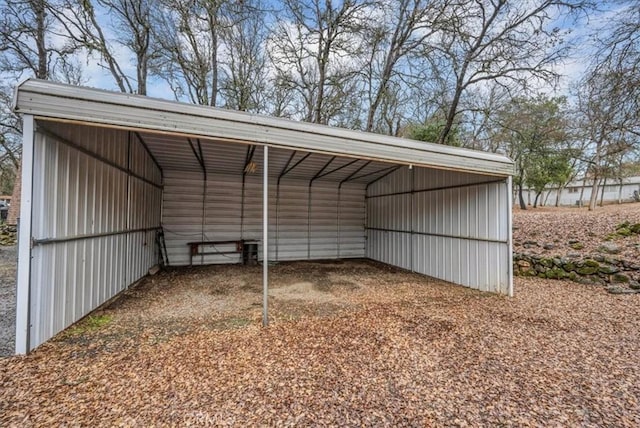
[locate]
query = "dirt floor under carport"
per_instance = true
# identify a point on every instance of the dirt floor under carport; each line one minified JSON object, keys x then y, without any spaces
{"x":350,"y":343}
{"x":218,"y":297}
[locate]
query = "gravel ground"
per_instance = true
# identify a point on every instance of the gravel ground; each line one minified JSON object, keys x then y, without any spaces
{"x":8,"y":257}
{"x":350,"y":344}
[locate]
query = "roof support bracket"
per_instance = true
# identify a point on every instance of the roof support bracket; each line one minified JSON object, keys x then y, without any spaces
{"x":153,"y":158}
{"x":388,"y":171}
{"x":288,"y":168}
{"x":351,"y":176}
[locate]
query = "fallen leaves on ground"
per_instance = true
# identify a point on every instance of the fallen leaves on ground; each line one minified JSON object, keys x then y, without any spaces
{"x":397,"y":349}
{"x":575,"y":230}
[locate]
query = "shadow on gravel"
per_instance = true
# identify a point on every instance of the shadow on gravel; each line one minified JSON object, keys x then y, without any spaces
{"x":8,"y":258}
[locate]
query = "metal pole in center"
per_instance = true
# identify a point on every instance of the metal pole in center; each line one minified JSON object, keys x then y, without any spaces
{"x":265,"y":237}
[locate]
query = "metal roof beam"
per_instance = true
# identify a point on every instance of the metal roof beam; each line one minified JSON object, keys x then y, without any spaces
{"x":198,"y":154}
{"x":319,"y":173}
{"x":338,"y":168}
{"x":350,"y":176}
{"x":288,"y":170}
{"x":391,"y":171}
{"x":368,"y":174}
{"x":89,"y":153}
{"x":248,"y":158}
{"x":146,"y":147}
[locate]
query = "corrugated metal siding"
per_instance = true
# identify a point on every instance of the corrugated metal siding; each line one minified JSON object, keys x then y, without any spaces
{"x":182,"y":207}
{"x":458,"y":234}
{"x":290,"y":236}
{"x":76,"y":195}
{"x":400,"y":180}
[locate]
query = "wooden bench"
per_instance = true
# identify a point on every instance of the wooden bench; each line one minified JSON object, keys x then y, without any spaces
{"x":196,"y":248}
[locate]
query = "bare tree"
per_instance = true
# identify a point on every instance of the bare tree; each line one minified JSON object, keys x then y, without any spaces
{"x":311,"y":49}
{"x":188,"y":33}
{"x":402,"y":27}
{"x":500,"y":41}
{"x":244,"y":65}
{"x":23,"y":37}
{"x":134,"y":19}
{"x":618,"y":57}
{"x":605,"y":121}
{"x":128,"y":25}
{"x":10,"y":132}
{"x":27,"y":46}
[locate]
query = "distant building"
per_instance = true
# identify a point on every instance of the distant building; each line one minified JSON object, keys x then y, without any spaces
{"x":579,"y":193}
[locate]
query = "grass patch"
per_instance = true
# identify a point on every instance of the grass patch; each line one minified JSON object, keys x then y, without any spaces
{"x":89,"y":324}
{"x":230,"y":323}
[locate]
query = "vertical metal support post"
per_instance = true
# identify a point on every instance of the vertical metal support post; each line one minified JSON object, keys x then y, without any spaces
{"x":265,"y":237}
{"x":338,"y":221}
{"x":128,"y":247}
{"x":411,"y":216}
{"x":510,"y":235}
{"x":24,"y":244}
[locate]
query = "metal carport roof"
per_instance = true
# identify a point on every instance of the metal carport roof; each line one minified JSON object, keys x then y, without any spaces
{"x":55,"y":101}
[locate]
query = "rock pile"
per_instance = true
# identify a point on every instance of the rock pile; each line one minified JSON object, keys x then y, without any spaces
{"x":8,"y":234}
{"x":595,"y":269}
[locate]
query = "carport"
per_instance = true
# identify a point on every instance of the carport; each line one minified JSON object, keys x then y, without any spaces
{"x":114,"y":184}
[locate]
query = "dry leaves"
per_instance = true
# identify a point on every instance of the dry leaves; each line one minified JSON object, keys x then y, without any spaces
{"x":385,"y":348}
{"x":563,"y":228}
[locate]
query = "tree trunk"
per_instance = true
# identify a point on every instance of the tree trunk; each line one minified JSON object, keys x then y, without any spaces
{"x":594,"y":194}
{"x":523,"y":206}
{"x":604,"y":186}
{"x":39,"y":9}
{"x":584,"y":185}
{"x":535,"y":201}
{"x":451,"y":114}
{"x":142,"y":73}
{"x":559,"y":195}
{"x":620,"y":192}
{"x":214,"y":61}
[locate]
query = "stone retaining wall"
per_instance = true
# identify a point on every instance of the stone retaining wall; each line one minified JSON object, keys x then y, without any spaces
{"x":596,"y":269}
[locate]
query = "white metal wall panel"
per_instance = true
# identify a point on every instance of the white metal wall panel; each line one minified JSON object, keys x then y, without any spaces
{"x":350,"y":214}
{"x":291,"y":237}
{"x":458,"y":231}
{"x":393,"y":248}
{"x":182,"y":213}
{"x":321,"y":234}
{"x":291,"y":221}
{"x":111,"y":144}
{"x":76,"y":199}
{"x":252,"y":227}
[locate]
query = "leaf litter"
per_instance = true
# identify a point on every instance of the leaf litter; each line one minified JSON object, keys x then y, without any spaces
{"x":381,"y":347}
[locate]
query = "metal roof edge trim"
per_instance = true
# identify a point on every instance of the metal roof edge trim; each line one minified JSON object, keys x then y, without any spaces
{"x":38,"y":97}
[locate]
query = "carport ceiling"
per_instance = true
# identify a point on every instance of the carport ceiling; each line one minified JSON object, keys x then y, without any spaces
{"x":181,"y":153}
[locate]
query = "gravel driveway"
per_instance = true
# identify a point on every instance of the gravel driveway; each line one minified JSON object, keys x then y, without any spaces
{"x":8,"y":258}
